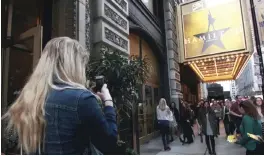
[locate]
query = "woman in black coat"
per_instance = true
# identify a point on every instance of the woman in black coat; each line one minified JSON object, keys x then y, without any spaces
{"x":208,"y":121}
{"x":185,"y":118}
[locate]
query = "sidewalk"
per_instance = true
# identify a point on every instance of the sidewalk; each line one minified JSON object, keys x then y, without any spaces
{"x":155,"y":147}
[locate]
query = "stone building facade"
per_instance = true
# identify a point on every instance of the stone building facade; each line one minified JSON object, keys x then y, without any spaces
{"x":134,"y":27}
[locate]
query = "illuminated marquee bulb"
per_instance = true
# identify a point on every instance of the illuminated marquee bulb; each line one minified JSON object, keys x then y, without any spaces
{"x":204,"y":67}
{"x":202,"y":63}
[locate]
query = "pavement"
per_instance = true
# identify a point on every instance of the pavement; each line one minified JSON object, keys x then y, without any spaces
{"x":155,"y":147}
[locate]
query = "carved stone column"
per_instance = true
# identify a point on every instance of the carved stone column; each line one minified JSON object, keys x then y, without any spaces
{"x":72,"y":18}
{"x":64,"y":18}
{"x":110,"y":26}
{"x":172,"y":50}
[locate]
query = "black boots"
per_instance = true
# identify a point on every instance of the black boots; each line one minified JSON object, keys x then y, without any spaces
{"x":167,"y":148}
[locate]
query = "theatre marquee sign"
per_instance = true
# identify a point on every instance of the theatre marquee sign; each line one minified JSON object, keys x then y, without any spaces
{"x":214,"y":29}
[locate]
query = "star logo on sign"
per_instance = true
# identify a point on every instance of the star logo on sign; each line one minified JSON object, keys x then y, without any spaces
{"x":212,"y":37}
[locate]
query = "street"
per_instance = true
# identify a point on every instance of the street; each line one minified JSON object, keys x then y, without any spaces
{"x":155,"y":147}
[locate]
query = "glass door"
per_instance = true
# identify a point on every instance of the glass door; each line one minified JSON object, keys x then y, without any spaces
{"x":21,"y":59}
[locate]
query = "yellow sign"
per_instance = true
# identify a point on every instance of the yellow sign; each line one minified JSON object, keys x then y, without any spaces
{"x":232,"y":138}
{"x":260,"y":18}
{"x":213,"y":30}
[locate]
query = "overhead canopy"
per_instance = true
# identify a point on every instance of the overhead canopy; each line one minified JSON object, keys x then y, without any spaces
{"x":219,"y":68}
{"x":215,"y":38}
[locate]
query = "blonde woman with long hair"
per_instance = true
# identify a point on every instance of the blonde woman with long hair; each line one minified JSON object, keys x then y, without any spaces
{"x":55,"y":113}
{"x":164,"y":116}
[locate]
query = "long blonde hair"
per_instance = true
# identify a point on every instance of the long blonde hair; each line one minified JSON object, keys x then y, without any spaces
{"x":63,"y":59}
{"x":162,"y":104}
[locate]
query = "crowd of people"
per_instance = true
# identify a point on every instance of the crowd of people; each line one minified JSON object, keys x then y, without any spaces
{"x":241,"y":117}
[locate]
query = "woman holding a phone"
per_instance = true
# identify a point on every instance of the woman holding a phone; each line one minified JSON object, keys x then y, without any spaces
{"x":55,"y":112}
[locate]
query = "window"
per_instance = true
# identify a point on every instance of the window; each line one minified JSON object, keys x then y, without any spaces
{"x":260,"y":87}
{"x":156,"y":8}
{"x":148,"y":4}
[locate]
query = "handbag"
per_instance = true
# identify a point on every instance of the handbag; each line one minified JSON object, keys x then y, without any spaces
{"x":94,"y":150}
{"x":173,"y":122}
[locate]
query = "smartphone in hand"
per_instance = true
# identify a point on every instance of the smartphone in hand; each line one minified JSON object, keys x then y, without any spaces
{"x":99,"y":82}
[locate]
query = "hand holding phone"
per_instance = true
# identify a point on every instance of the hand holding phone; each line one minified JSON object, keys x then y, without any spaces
{"x":99,"y":82}
{"x":105,"y":96}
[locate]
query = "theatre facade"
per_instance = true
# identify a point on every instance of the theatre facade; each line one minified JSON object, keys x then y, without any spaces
{"x":134,"y":27}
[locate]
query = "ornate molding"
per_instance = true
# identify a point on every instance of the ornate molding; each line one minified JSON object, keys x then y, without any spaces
{"x":88,"y":25}
{"x":115,"y":17}
{"x":178,"y":86}
{"x":116,"y":39}
{"x":74,"y":32}
{"x":106,"y":49}
{"x":123,"y":4}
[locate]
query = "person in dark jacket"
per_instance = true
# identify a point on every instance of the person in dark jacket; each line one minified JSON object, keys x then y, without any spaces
{"x":175,"y":112}
{"x":186,"y":124}
{"x":171,"y":125}
{"x":198,"y":110}
{"x":55,"y":113}
{"x":235,"y":114}
{"x":216,"y":107}
{"x":229,"y":125}
{"x":208,"y":121}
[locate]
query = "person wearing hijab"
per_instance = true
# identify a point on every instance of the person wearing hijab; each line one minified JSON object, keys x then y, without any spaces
{"x":164,"y":116}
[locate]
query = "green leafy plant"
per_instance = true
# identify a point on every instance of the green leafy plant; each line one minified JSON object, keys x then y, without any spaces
{"x":123,"y":76}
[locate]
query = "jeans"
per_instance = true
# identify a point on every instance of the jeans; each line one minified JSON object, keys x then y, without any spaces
{"x":171,"y":133}
{"x":227,"y":127}
{"x":260,"y":149}
{"x":210,"y":143}
{"x":237,"y":122}
{"x":232,"y":127}
{"x":187,"y":131}
{"x":249,"y":152}
{"x":165,"y":132}
{"x":218,"y":126}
